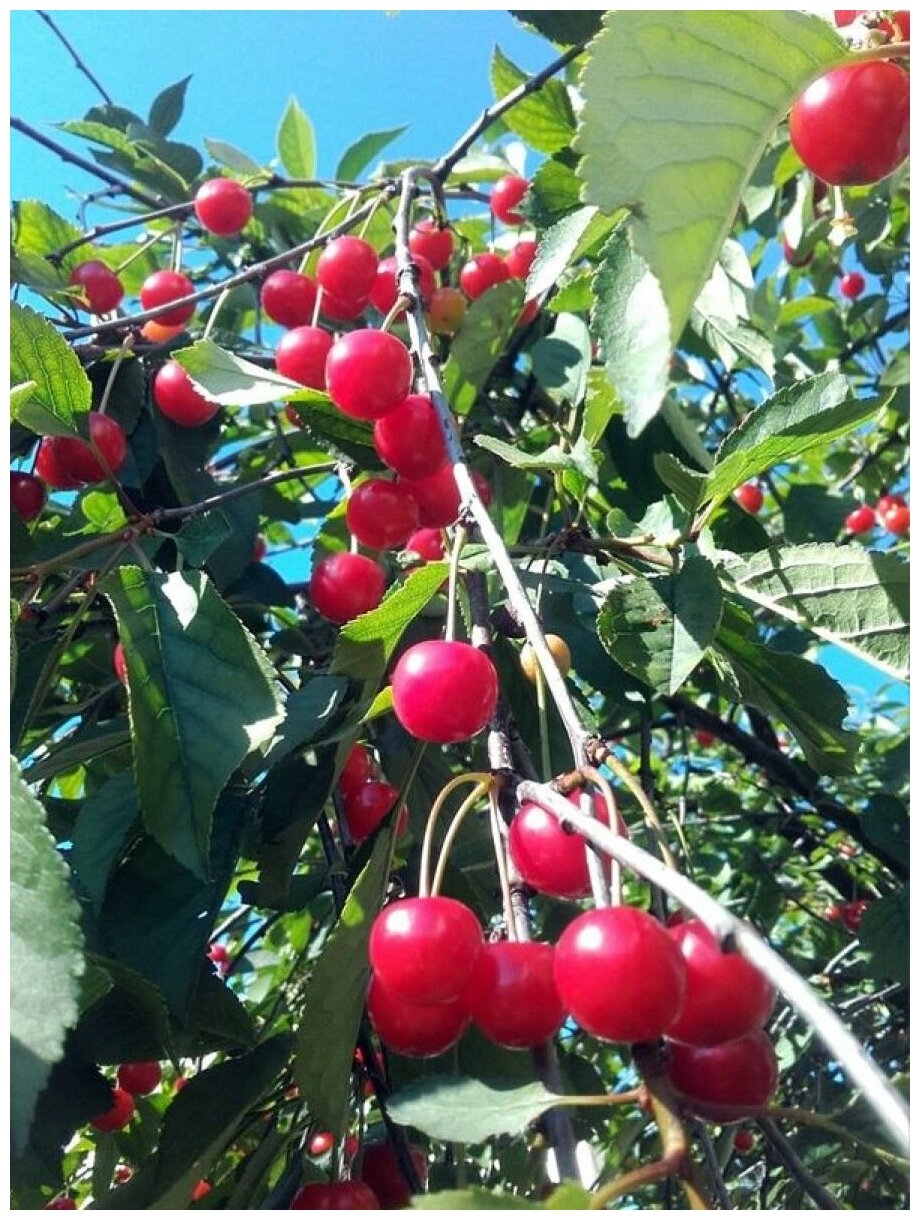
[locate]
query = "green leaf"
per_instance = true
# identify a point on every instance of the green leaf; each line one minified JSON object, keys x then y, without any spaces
{"x":167,"y":107}
{"x":569,"y":1196}
{"x":477,"y":345}
{"x":296,"y":142}
{"x":554,"y":193}
{"x":46,"y":954}
{"x":103,"y":510}
{"x":233,"y":158}
{"x":463,"y":1110}
{"x":886,"y":825}
{"x":631,"y":321}
{"x":885,"y":932}
{"x":200,"y":537}
{"x":473,"y":1199}
{"x":228,"y":379}
{"x":201,"y":697}
{"x":338,"y":434}
{"x":846,"y":595}
{"x":311,"y":715}
{"x":579,"y":457}
{"x":101,"y":831}
{"x":561,"y":360}
{"x":38,"y":354}
{"x":38,"y":231}
{"x":566,"y":26}
{"x":679,"y":107}
{"x":333,"y":1000}
{"x":360,"y":154}
{"x":659,"y":628}
{"x":544,"y":119}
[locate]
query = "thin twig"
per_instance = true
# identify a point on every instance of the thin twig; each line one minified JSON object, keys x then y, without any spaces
{"x":81,"y":66}
{"x":787,"y":1154}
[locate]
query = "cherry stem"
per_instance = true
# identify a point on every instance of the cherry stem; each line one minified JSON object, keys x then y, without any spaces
{"x":622,"y":772}
{"x":546,"y":764}
{"x":212,"y":316}
{"x":501,"y":862}
{"x":453,"y":829}
{"x":616,"y":873}
{"x":470,"y":777}
{"x":459,"y":542}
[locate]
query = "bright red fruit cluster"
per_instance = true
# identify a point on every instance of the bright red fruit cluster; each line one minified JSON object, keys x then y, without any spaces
{"x":366,"y":797}
{"x":101,"y":286}
{"x":891,"y":513}
{"x":66,"y":463}
{"x":223,"y":206}
{"x":138,"y":1079}
{"x":118,"y":1115}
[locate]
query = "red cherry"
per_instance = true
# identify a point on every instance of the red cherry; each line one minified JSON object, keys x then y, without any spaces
{"x":446,"y":311}
{"x":860,"y":520}
{"x":852,"y":285}
{"x":417,"y":1030}
{"x":259,"y":549}
{"x":481,"y":272}
{"x":223,"y":206}
{"x":742,"y":1074}
{"x":27,"y":494}
{"x":119,"y":664}
{"x":619,"y":974}
{"x":179,"y":400}
{"x":119,"y":1113}
{"x":409,"y":438}
{"x":444,"y":691}
{"x":507,"y":193}
{"x":381,"y":514}
{"x":834,"y":912}
{"x":434,"y":244}
{"x":749,"y":497}
{"x":902,"y":25}
{"x":428,"y":544}
{"x":847,"y":16}
{"x":301,"y":355}
{"x":851,"y":127}
{"x":138,"y":1079}
{"x":704,"y":738}
{"x":347,"y":267}
{"x":437,"y":496}
{"x":886,"y":504}
{"x":321,"y":1143}
{"x":852,"y":914}
{"x":101,"y":286}
{"x":50,"y":469}
{"x":367,"y":806}
{"x":423,"y":950}
{"x":219,"y":955}
{"x":342,"y":310}
{"x":550,"y":859}
{"x":792,"y":255}
{"x":512,"y":996}
{"x":63,"y":1203}
{"x":743,"y":1140}
{"x":335,"y":1196}
{"x":200,"y":1189}
{"x":344,"y":586}
{"x":358,"y":770}
{"x":289,"y":298}
{"x":528,"y":313}
{"x":726,"y":997}
{"x":520,"y":259}
{"x":368,"y":373}
{"x":381,"y":1172}
{"x":384,"y":291}
{"x":163,"y":287}
{"x":898,"y":520}
{"x":123,"y":1173}
{"x":80,"y":460}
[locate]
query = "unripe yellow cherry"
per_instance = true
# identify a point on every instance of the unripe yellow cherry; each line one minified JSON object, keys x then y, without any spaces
{"x":560,"y":654}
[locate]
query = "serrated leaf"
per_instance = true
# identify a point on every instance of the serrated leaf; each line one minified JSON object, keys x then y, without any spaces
{"x":338,"y":434}
{"x":544,"y":119}
{"x":556,"y":248}
{"x":679,"y":107}
{"x":46,"y":954}
{"x":38,"y":231}
{"x":560,"y":360}
{"x":659,"y":628}
{"x":473,"y":1199}
{"x":232,"y":157}
{"x":474,"y":167}
{"x":555,"y":191}
{"x":199,"y":537}
{"x":885,"y":932}
{"x":201,"y":697}
{"x":296,"y":142}
{"x":38,"y":354}
{"x":230,"y":380}
{"x":463,"y":1110}
{"x":489,"y":323}
{"x":359,"y":155}
{"x":579,"y":457}
{"x":310,"y":716}
{"x":566,"y":26}
{"x":100,"y":833}
{"x":166,"y":109}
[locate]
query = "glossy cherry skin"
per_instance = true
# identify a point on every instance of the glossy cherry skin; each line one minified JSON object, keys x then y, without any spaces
{"x":381,"y":1172}
{"x":550,"y":859}
{"x":341,"y":310}
{"x":223,"y":206}
{"x":743,"y":1140}
{"x":63,"y":1203}
{"x":436,"y":245}
{"x":368,"y":373}
{"x":366,"y":807}
{"x":851,"y":127}
{"x":381,"y":514}
{"x":423,"y":950}
{"x":289,"y":298}
{"x":78,"y":458}
{"x":886,"y":504}
{"x":437,"y":496}
{"x":749,"y":497}
{"x":852,"y":285}
{"x":119,"y":664}
{"x":420,"y":1031}
{"x":201,"y":1189}
{"x":512,"y":996}
{"x":346,"y":268}
{"x":846,"y":16}
{"x":704,"y":738}
{"x":428,"y":544}
{"x":154,"y":332}
{"x":321,"y":1143}
{"x":163,"y":287}
{"x":384,"y":290}
{"x":444,"y":691}
{"x":301,"y":355}
{"x":726,"y":996}
{"x":898,"y":521}
{"x":344,"y":586}
{"x":507,"y":193}
{"x":482,"y":271}
{"x":741,"y":1074}
{"x":446,"y":311}
{"x":520,"y":259}
{"x":409,"y":438}
{"x":852,"y":913}
{"x":619,"y":974}
{"x":178,"y":399}
{"x":27,"y":494}
{"x":101,"y":286}
{"x":358,"y":769}
{"x":138,"y":1079}
{"x":860,"y":520}
{"x":335,"y":1196}
{"x":119,"y":1113}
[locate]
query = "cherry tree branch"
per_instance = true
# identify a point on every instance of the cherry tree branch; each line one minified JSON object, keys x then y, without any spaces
{"x":81,"y":66}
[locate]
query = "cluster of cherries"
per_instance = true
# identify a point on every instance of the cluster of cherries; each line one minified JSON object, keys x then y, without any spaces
{"x":891,"y":513}
{"x":377,"y":1180}
{"x":366,"y":797}
{"x":850,"y":914}
{"x":132,"y":1080}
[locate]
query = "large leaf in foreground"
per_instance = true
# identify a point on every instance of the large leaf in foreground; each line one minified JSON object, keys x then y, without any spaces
{"x":60,"y":392}
{"x":458,"y":1108}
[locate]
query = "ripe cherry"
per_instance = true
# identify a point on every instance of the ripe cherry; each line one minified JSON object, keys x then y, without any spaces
{"x":301,"y":355}
{"x":346,"y":268}
{"x":852,"y":285}
{"x":559,"y":650}
{"x":119,"y":1113}
{"x":366,"y":807}
{"x":321,"y":1143}
{"x":344,"y":586}
{"x":851,"y":127}
{"x":384,"y":290}
{"x":743,"y":1140}
{"x":81,"y":461}
{"x":63,"y":1203}
{"x":359,"y":769}
{"x":409,"y":438}
{"x":381,"y":514}
{"x":423,"y":950}
{"x":138,"y":1079}
{"x":446,"y":311}
{"x":550,"y":859}
{"x":792,"y":256}
{"x":432,"y":243}
{"x":528,"y":313}
{"x":27,"y":494}
{"x":741,"y":1074}
{"x":860,"y":520}
{"x":221,"y":958}
{"x":619,"y":974}
{"x":381,"y":1172}
{"x":179,"y":400}
{"x":101,"y":286}
{"x":201,"y":1188}
{"x":428,"y":544}
{"x":507,"y":193}
{"x":512,"y":996}
{"x":898,"y":520}
{"x":437,"y":496}
{"x":482,"y":271}
{"x":444,"y":691}
{"x":520,"y":259}
{"x":704,"y":738}
{"x":49,"y":467}
{"x":852,"y":913}
{"x":223,"y":206}
{"x":417,"y":1030}
{"x":164,"y":286}
{"x":259,"y":549}
{"x":368,"y":373}
{"x":749,"y":497}
{"x":340,"y":309}
{"x":887,"y":504}
{"x":726,"y":996}
{"x":846,"y":16}
{"x":289,"y":298}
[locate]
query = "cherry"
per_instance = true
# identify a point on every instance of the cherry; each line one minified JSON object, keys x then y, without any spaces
{"x":346,"y":268}
{"x":446,"y":311}
{"x":101,"y":286}
{"x":385,"y":290}
{"x":289,"y":298}
{"x":359,"y":769}
{"x":301,"y":355}
{"x":860,"y":520}
{"x":851,"y":127}
{"x":344,"y":586}
{"x":705,"y":738}
{"x":743,"y":1140}
{"x":437,"y":496}
{"x":507,"y":193}
{"x":552,"y":860}
{"x":123,"y":1173}
{"x":27,"y":494}
{"x":847,"y":16}
{"x":741,"y":1074}
{"x":381,"y":1172}
{"x":428,"y":241}
{"x":381,"y":514}
{"x":444,"y":691}
{"x":619,"y":974}
{"x":528,"y":313}
{"x":409,"y":438}
{"x":155,"y":332}
{"x":179,"y":400}
{"x":63,"y":1203}
{"x":259,"y":549}
{"x":420,"y":1031}
{"x":852,"y":285}
{"x":886,"y":504}
{"x":138,"y":1079}
{"x":423,"y":950}
{"x":512,"y":996}
{"x":49,"y":467}
{"x":119,"y":1113}
{"x":201,"y":1188}
{"x":321,"y":1143}
{"x":80,"y":460}
{"x":367,"y":806}
{"x":119,"y":664}
{"x":221,"y":959}
{"x":368,"y":373}
{"x":726,"y":996}
{"x":481,"y":272}
{"x":559,"y":650}
{"x":749,"y":497}
{"x":428,"y":544}
{"x":898,"y":520}
{"x":342,"y":310}
{"x":163,"y":287}
{"x":223,"y":206}
{"x":852,"y":913}
{"x":792,"y":255}
{"x":520,"y":259}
